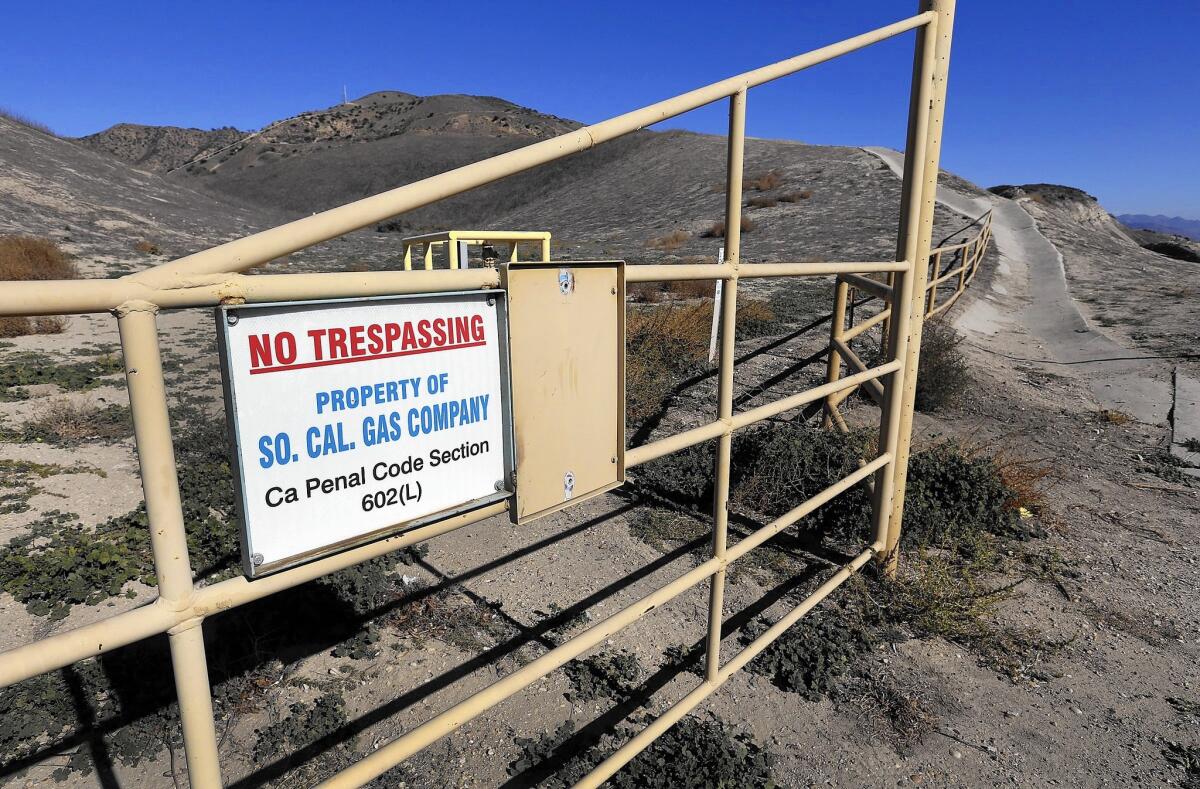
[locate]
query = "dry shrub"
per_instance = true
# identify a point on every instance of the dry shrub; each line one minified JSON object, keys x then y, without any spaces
{"x":358,"y":266}
{"x":646,"y":292}
{"x":942,"y":375}
{"x":16,"y":326}
{"x":146,"y":247}
{"x":670,"y":242}
{"x":755,"y":318}
{"x":762,"y":202}
{"x":1112,"y":416}
{"x":663,"y":344}
{"x":67,"y":422}
{"x":765,"y":182}
{"x":1029,"y":482}
{"x":795,"y":197}
{"x":28,"y":258}
{"x":692,"y":288}
{"x":718,"y":228}
{"x":24,"y":258}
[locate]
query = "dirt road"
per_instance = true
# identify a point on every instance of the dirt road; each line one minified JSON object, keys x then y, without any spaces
{"x":1031,"y":266}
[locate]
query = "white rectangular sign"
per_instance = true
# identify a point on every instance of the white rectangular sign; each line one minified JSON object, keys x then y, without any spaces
{"x":352,"y":420}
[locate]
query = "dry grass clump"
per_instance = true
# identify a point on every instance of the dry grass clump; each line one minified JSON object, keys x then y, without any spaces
{"x":692,"y":288}
{"x":147,"y":247}
{"x":67,"y":422}
{"x":25,"y":258}
{"x":663,"y":344}
{"x":762,"y":202}
{"x":772,"y":179}
{"x":717,"y":230}
{"x":670,"y":242}
{"x":1112,"y":416}
{"x":795,"y":197}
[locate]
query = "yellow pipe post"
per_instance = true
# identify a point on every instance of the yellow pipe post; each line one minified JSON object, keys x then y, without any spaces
{"x":837,"y":326}
{"x":168,"y":539}
{"x":733,"y":240}
{"x":923,"y":148}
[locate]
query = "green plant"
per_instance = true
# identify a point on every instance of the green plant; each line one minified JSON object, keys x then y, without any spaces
{"x":305,"y":724}
{"x":693,"y":754}
{"x":607,"y":675}
{"x":809,"y":657}
{"x":29,"y":369}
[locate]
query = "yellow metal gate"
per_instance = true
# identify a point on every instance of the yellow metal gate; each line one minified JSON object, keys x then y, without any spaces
{"x":211,"y":278}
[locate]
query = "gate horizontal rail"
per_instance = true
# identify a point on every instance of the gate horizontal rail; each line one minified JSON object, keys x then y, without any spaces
{"x":211,"y":277}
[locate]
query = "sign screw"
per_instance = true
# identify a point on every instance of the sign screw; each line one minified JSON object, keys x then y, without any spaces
{"x":232,"y":319}
{"x":614,"y":459}
{"x":491,"y":302}
{"x":256,"y":559}
{"x":499,"y":484}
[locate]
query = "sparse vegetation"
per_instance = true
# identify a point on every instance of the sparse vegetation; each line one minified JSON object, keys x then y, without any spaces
{"x":1186,"y":758}
{"x":809,"y":657}
{"x":25,"y":120}
{"x":762,"y":202}
{"x":18,"y":481}
{"x":25,"y":258}
{"x":693,"y":754}
{"x":664,"y":344}
{"x":1191,"y":444}
{"x":943,"y":376}
{"x":717,"y":229}
{"x":795,"y":197}
{"x":609,"y":675}
{"x":69,"y":422}
{"x":21,"y":370}
{"x":1112,"y":416}
{"x":147,"y":247}
{"x":772,"y":179}
{"x":670,"y":242}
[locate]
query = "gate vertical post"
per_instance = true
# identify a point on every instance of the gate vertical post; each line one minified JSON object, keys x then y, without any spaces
{"x":733,"y":240}
{"x":931,"y":69}
{"x":837,"y":327}
{"x":168,"y":539}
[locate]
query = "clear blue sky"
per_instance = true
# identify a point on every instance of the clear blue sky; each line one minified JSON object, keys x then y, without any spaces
{"x":1099,"y":95}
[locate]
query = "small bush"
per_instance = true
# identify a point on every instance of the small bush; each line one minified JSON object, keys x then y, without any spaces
{"x":772,"y":179}
{"x":646,"y":292}
{"x":70,"y":423}
{"x":755,"y":318}
{"x":146,"y":247}
{"x":604,"y":676}
{"x":762,"y":202}
{"x":1112,"y":416}
{"x":24,"y":258}
{"x":942,"y":374}
{"x":692,"y":754}
{"x":664,"y":344}
{"x":669,"y":242}
{"x":813,"y":654}
{"x":795,"y":197}
{"x":717,"y":230}
{"x":20,"y":326}
{"x":692,"y":288}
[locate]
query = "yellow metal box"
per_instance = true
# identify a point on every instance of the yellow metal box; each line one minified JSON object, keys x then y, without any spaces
{"x":566,"y":325}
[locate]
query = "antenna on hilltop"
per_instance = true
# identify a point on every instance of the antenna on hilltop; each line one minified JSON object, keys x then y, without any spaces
{"x":345,"y":98}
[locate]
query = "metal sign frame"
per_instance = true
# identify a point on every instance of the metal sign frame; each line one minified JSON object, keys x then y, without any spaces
{"x":222,"y":314}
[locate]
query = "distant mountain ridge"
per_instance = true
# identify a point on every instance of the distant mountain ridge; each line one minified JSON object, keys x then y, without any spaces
{"x":1174,"y":225}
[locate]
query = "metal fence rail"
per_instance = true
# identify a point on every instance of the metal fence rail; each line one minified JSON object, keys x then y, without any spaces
{"x":211,"y":277}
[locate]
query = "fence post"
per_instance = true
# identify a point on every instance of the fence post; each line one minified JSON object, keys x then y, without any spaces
{"x":733,"y":240}
{"x":837,"y":328}
{"x":168,"y":539}
{"x":931,"y":70}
